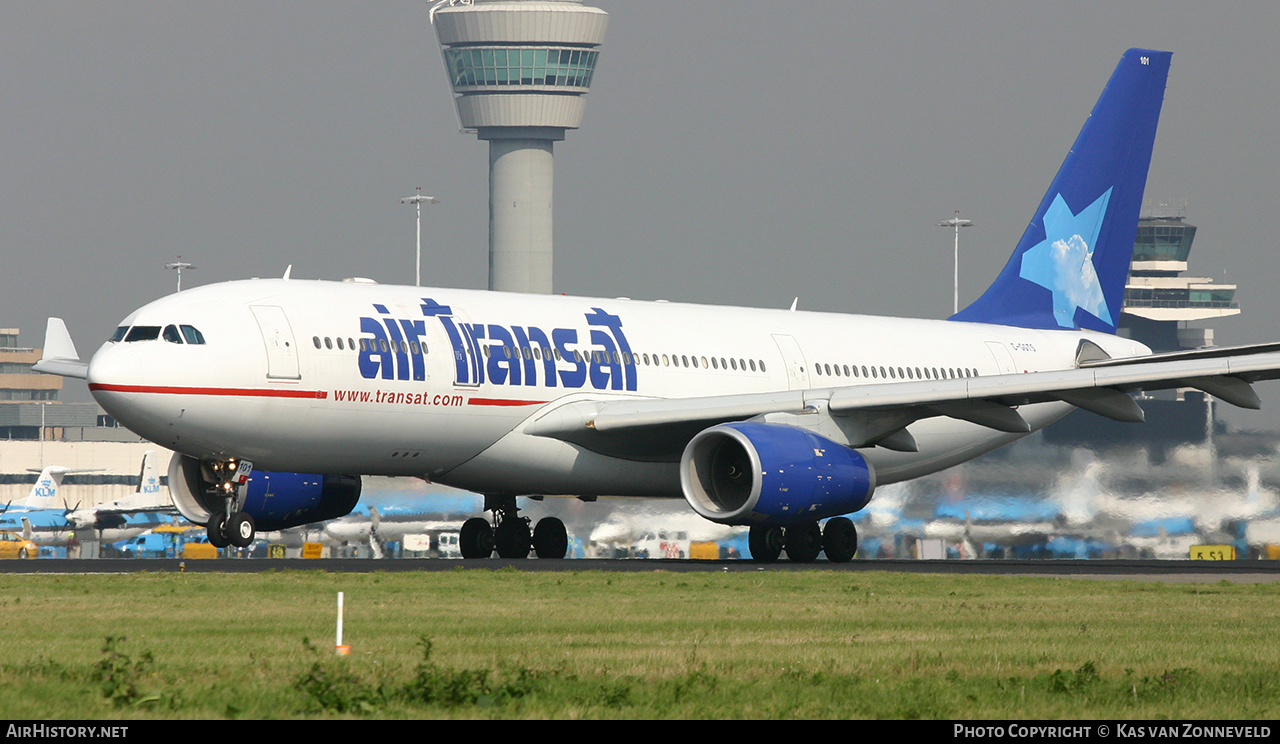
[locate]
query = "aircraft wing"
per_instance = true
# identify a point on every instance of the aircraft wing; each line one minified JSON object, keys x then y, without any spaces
{"x":124,"y":509}
{"x":89,"y":517}
{"x":878,"y":413}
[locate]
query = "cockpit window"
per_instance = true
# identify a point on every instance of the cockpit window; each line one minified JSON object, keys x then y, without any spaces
{"x":143,"y":333}
{"x":192,"y":334}
{"x":171,"y":335}
{"x":118,"y":336}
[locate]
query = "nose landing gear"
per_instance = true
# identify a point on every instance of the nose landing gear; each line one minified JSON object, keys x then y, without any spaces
{"x":229,"y":525}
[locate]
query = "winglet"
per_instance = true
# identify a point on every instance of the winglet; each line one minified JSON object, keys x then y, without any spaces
{"x":60,"y":356}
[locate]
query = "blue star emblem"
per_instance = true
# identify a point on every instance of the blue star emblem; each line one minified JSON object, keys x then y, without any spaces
{"x":1063,"y":262}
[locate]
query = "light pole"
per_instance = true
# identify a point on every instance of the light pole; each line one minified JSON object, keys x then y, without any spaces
{"x":43,"y":404}
{"x":957,"y":223}
{"x":179,"y":265}
{"x":417,"y":201}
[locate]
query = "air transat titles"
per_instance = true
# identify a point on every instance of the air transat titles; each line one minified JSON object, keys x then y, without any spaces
{"x":501,"y":355}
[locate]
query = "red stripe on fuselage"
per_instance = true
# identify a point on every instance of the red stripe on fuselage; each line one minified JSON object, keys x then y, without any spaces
{"x":269,"y":393}
{"x":240,"y":392}
{"x":501,"y":402}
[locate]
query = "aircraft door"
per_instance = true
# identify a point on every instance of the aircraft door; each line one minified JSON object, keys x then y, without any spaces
{"x":1004,"y":360}
{"x":793,"y":362}
{"x":277,"y":335}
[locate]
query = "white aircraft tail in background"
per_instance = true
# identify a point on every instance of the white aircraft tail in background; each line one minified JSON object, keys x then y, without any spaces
{"x":44,"y":494}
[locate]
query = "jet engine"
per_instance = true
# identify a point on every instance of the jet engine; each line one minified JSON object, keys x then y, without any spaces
{"x":772,"y":474}
{"x":276,"y":501}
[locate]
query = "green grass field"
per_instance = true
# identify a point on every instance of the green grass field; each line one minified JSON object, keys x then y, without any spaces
{"x":743,"y":644}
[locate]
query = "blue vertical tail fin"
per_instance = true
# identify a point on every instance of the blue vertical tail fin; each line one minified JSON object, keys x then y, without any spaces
{"x":1070,"y":267}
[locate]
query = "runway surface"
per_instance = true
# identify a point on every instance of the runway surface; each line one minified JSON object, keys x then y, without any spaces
{"x":1172,"y":571}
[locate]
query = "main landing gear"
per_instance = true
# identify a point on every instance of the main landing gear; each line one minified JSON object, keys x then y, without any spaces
{"x":804,"y":541}
{"x":510,"y":534}
{"x":229,"y":525}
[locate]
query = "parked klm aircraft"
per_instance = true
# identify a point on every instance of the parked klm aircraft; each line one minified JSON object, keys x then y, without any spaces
{"x":369,"y":527}
{"x":771,"y":419}
{"x":46,"y":519}
{"x":41,"y":516}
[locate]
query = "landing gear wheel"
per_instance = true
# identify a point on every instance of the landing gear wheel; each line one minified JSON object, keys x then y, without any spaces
{"x":765,"y":544}
{"x":804,"y":542}
{"x":550,"y":540}
{"x":840,"y":540}
{"x":512,"y":538}
{"x":476,"y":538}
{"x":240,"y":530}
{"x":217,"y":534}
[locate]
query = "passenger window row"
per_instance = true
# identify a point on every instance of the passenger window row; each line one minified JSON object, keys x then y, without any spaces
{"x":540,"y":353}
{"x":369,"y":344}
{"x":686,"y":360}
{"x":893,"y":373}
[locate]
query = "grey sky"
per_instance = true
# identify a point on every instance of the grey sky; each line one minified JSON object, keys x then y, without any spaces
{"x":733,"y":152}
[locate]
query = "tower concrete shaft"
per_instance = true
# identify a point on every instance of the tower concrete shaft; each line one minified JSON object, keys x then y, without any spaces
{"x":519,"y":70}
{"x":521,"y":175}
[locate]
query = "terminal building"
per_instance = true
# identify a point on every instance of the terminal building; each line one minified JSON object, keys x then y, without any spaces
{"x":38,"y":429}
{"x":29,"y":405}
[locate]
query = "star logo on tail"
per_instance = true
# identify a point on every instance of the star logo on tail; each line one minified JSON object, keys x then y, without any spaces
{"x":1063,"y":262}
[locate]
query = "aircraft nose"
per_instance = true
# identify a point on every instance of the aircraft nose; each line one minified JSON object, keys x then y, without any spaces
{"x":114,"y":366}
{"x":114,"y":376}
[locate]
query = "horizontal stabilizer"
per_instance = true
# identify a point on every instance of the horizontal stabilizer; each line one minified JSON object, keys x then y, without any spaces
{"x":60,"y":356}
{"x":1208,"y":352}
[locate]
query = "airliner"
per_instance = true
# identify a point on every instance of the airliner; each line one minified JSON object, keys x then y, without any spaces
{"x":278,"y":394}
{"x":47,"y":519}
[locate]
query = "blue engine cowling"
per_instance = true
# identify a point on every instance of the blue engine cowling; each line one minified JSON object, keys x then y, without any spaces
{"x":772,"y":474}
{"x":276,"y":501}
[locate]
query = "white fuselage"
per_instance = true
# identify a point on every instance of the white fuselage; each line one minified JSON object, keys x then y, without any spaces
{"x":277,"y":380}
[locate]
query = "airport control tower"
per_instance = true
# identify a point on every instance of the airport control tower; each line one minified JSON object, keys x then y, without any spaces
{"x":1159,"y":301}
{"x":519,"y":70}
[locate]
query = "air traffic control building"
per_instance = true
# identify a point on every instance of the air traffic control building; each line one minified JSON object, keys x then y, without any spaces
{"x":1159,"y":304}
{"x":519,"y":70}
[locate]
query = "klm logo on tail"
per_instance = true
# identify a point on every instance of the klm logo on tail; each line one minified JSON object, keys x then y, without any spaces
{"x":1063,"y":262}
{"x":44,"y":489}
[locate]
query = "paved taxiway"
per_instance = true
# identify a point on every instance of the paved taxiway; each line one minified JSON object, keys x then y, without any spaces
{"x":1185,"y":571}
